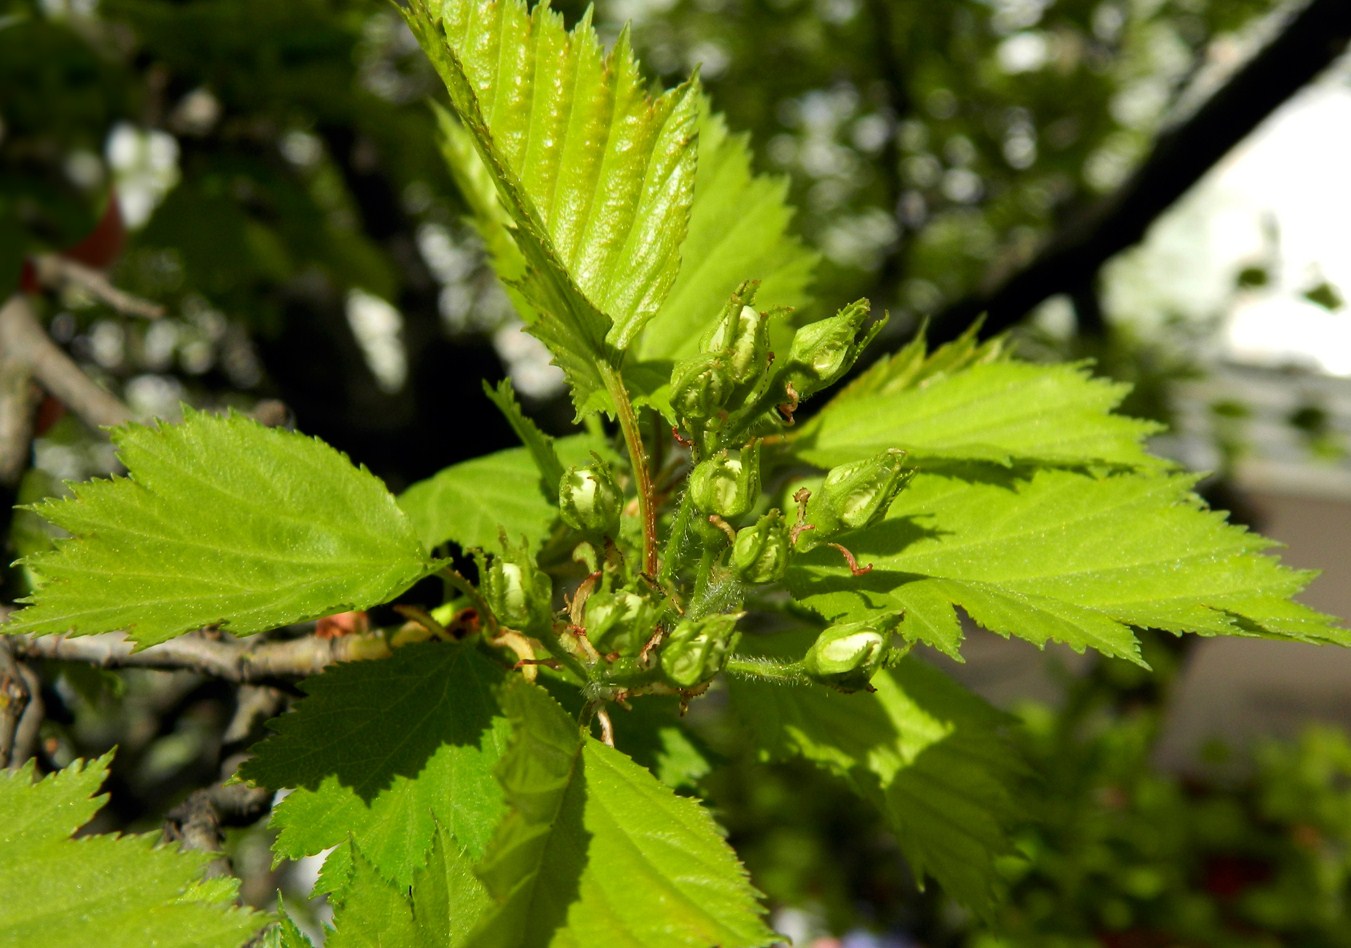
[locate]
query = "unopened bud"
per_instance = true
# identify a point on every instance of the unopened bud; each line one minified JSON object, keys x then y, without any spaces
{"x":742,"y":337}
{"x":590,"y":501}
{"x":826,"y":349}
{"x":857,"y":494}
{"x":696,"y":649}
{"x":700,"y":386}
{"x":620,"y":620}
{"x":760,"y":552}
{"x":846,"y":656}
{"x":519,"y":594}
{"x":727,"y":484}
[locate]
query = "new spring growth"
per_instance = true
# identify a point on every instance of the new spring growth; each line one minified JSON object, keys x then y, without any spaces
{"x":728,"y":483}
{"x":760,"y":551}
{"x":855,"y":495}
{"x":620,"y":621}
{"x":847,"y":655}
{"x":696,"y":649}
{"x":590,"y":501}
{"x":700,"y":387}
{"x":741,"y":338}
{"x":519,"y":594}
{"x":826,"y":349}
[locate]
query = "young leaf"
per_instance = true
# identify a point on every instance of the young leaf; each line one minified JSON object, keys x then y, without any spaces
{"x":990,"y":409}
{"x":1061,"y":556}
{"x":595,"y":175}
{"x":384,"y":751}
{"x":472,"y":502}
{"x":113,"y":890}
{"x":221,"y":522}
{"x":541,"y":447}
{"x":595,"y":851}
{"x":739,"y":230}
{"x":926,"y":752}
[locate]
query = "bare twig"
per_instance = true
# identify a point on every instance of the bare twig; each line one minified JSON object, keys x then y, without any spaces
{"x":18,"y":398}
{"x":227,"y":658}
{"x":58,"y":272}
{"x":20,"y":709}
{"x":23,"y":339}
{"x":1313,"y":38}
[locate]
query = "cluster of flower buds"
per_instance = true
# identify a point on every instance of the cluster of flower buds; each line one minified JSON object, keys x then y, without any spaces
{"x":847,"y":655}
{"x":855,"y":495}
{"x":590,"y":501}
{"x":696,"y":649}
{"x":517,"y":591}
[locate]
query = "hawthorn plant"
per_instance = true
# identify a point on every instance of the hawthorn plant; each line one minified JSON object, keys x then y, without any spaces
{"x":499,"y":769}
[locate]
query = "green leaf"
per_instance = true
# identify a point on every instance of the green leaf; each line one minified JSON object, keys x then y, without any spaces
{"x":926,"y":752}
{"x":595,"y":176}
{"x":1061,"y":556}
{"x":114,"y":891}
{"x":470,"y":503}
{"x":285,"y":933}
{"x":595,"y":851}
{"x":739,"y":230}
{"x":539,"y":444}
{"x":220,"y":522}
{"x":968,"y":403}
{"x":445,"y":901}
{"x":383,"y":751}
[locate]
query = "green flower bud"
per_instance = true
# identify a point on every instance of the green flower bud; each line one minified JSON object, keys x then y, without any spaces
{"x":696,"y":649}
{"x":760,"y":552}
{"x":824,"y":350}
{"x":742,"y":337}
{"x":846,"y":656}
{"x":621,"y":621}
{"x":727,"y":484}
{"x":857,"y":494}
{"x":700,"y":386}
{"x":590,"y":500}
{"x":518,"y":592}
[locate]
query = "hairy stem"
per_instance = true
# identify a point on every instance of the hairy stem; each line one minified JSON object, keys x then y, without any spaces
{"x":767,"y":670}
{"x":633,"y":440}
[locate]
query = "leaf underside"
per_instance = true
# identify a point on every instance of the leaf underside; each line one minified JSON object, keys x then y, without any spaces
{"x":926,"y":752}
{"x":219,"y":522}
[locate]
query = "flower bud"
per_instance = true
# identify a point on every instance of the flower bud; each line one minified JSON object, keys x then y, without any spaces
{"x":696,"y":649}
{"x":700,"y":386}
{"x":728,"y":483}
{"x":760,"y":552}
{"x":518,"y":592}
{"x":824,"y":350}
{"x":742,"y":338}
{"x":590,"y":501}
{"x":857,"y":494}
{"x":846,"y":656}
{"x":621,"y":621}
